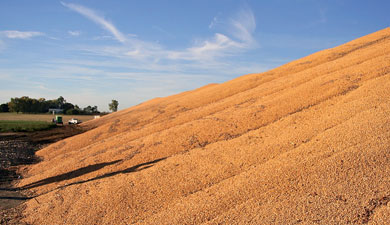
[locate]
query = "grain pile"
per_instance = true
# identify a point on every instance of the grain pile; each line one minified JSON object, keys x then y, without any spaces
{"x":308,"y":142}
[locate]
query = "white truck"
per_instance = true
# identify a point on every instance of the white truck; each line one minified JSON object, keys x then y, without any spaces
{"x":74,"y":121}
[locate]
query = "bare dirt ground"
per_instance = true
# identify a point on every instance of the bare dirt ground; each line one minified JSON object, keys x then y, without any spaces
{"x":16,"y":150}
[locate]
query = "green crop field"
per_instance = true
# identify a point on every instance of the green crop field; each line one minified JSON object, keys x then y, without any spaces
{"x":24,"y":126}
{"x":42,"y":117}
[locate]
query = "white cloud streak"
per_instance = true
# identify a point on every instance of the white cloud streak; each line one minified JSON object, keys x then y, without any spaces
{"x":243,"y":26}
{"x":241,"y":29}
{"x":214,"y":22}
{"x":206,"y":50}
{"x":14,"y":34}
{"x":133,"y":62}
{"x":74,"y":33}
{"x":100,"y":20}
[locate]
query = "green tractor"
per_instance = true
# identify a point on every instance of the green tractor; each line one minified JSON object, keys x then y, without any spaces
{"x":58,"y":120}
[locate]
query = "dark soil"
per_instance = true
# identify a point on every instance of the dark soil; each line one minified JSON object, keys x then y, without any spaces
{"x":16,"y":150}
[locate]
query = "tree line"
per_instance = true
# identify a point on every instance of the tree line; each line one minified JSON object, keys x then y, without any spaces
{"x":31,"y":105}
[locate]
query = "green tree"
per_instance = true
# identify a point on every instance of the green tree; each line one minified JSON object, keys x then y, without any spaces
{"x":88,"y":110}
{"x":25,"y":104}
{"x":61,"y":101}
{"x":67,"y":106}
{"x":113,"y":106}
{"x":14,"y":105}
{"x":43,"y":105}
{"x":95,"y":110}
{"x":4,"y":108}
{"x":72,"y":112}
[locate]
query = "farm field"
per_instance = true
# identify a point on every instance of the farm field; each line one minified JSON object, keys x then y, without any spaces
{"x":24,"y":126}
{"x":41,"y":117}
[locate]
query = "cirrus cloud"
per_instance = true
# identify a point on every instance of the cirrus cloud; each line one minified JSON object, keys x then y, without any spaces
{"x":74,"y":33}
{"x":240,"y":29}
{"x":14,"y":34}
{"x":92,"y":15}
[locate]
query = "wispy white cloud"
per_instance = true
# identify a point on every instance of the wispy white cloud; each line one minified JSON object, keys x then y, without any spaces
{"x":320,"y":19}
{"x":103,"y":37}
{"x":116,"y":78}
{"x":14,"y":34}
{"x":92,"y":15}
{"x":74,"y":33}
{"x":144,"y":67}
{"x":209,"y":49}
{"x":163,"y":31}
{"x":243,"y":26}
{"x":240,"y":29}
{"x":214,"y":22}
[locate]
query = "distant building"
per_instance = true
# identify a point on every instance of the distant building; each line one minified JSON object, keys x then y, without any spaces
{"x":55,"y":111}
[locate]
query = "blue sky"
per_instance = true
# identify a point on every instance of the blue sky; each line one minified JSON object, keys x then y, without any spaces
{"x":92,"y":51}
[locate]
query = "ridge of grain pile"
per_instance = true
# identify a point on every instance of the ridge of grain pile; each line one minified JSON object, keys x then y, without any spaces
{"x":308,"y":142}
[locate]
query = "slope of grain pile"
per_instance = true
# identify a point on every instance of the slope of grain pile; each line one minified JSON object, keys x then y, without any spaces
{"x":308,"y":142}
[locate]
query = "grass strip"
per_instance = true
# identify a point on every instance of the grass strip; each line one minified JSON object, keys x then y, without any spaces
{"x":24,"y":126}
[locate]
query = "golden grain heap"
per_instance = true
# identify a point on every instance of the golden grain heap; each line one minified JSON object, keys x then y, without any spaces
{"x":308,"y":142}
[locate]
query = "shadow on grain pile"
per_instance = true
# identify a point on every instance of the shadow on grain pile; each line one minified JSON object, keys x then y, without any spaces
{"x":89,"y":169}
